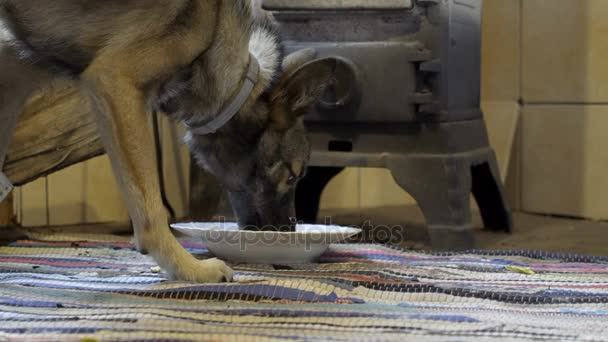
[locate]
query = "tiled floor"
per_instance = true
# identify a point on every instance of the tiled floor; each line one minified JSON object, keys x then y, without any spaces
{"x":530,"y":232}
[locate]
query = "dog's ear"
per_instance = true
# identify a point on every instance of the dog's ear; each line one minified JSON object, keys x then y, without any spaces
{"x":167,"y":100}
{"x":295,"y":60}
{"x":299,"y":89}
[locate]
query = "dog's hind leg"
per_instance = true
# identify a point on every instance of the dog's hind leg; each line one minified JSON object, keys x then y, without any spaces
{"x":18,"y":79}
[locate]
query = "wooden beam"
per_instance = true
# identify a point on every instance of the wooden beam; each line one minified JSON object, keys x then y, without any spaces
{"x":6,"y":212}
{"x":205,"y":194}
{"x":55,"y":131}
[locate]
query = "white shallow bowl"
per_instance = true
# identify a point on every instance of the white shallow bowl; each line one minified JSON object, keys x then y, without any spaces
{"x":227,"y":242}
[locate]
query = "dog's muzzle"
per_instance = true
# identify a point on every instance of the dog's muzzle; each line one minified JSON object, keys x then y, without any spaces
{"x":5,"y":187}
{"x":234,"y":106}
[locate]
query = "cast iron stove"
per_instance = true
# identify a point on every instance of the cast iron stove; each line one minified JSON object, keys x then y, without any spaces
{"x":409,"y":102}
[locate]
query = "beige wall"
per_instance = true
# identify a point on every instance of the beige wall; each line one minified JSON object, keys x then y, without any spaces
{"x":551,"y":56}
{"x":565,"y":116}
{"x":560,"y":48}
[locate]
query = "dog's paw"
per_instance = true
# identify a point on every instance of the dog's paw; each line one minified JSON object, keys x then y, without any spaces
{"x":205,"y":271}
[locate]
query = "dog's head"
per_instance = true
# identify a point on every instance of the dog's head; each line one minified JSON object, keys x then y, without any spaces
{"x":263,"y":152}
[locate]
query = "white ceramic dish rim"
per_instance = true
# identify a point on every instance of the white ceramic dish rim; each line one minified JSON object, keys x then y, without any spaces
{"x":230,"y":227}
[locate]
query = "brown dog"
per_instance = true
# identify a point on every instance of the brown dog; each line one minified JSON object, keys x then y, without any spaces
{"x":207,"y":63}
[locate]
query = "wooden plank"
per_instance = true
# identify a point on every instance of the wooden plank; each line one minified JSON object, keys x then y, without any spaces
{"x":6,"y":212}
{"x":17,"y":204}
{"x":502,"y":121}
{"x":176,"y":166}
{"x":34,"y":204}
{"x":103,"y":199}
{"x":344,"y":191}
{"x":205,"y":194}
{"x":66,"y":196}
{"x":379,"y":189}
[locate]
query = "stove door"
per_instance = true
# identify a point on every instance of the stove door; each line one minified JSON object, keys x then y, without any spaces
{"x":376,"y":88}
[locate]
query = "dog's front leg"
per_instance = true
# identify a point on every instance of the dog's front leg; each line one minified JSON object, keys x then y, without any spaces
{"x":124,"y":128}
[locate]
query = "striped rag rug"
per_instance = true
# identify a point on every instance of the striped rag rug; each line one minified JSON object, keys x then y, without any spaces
{"x":100,"y":289}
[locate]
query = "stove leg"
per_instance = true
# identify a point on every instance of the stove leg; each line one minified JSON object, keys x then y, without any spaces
{"x":309,"y":191}
{"x":442,"y":186}
{"x":490,"y":195}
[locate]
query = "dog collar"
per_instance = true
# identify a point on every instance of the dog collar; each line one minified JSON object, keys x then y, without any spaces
{"x":234,"y":106}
